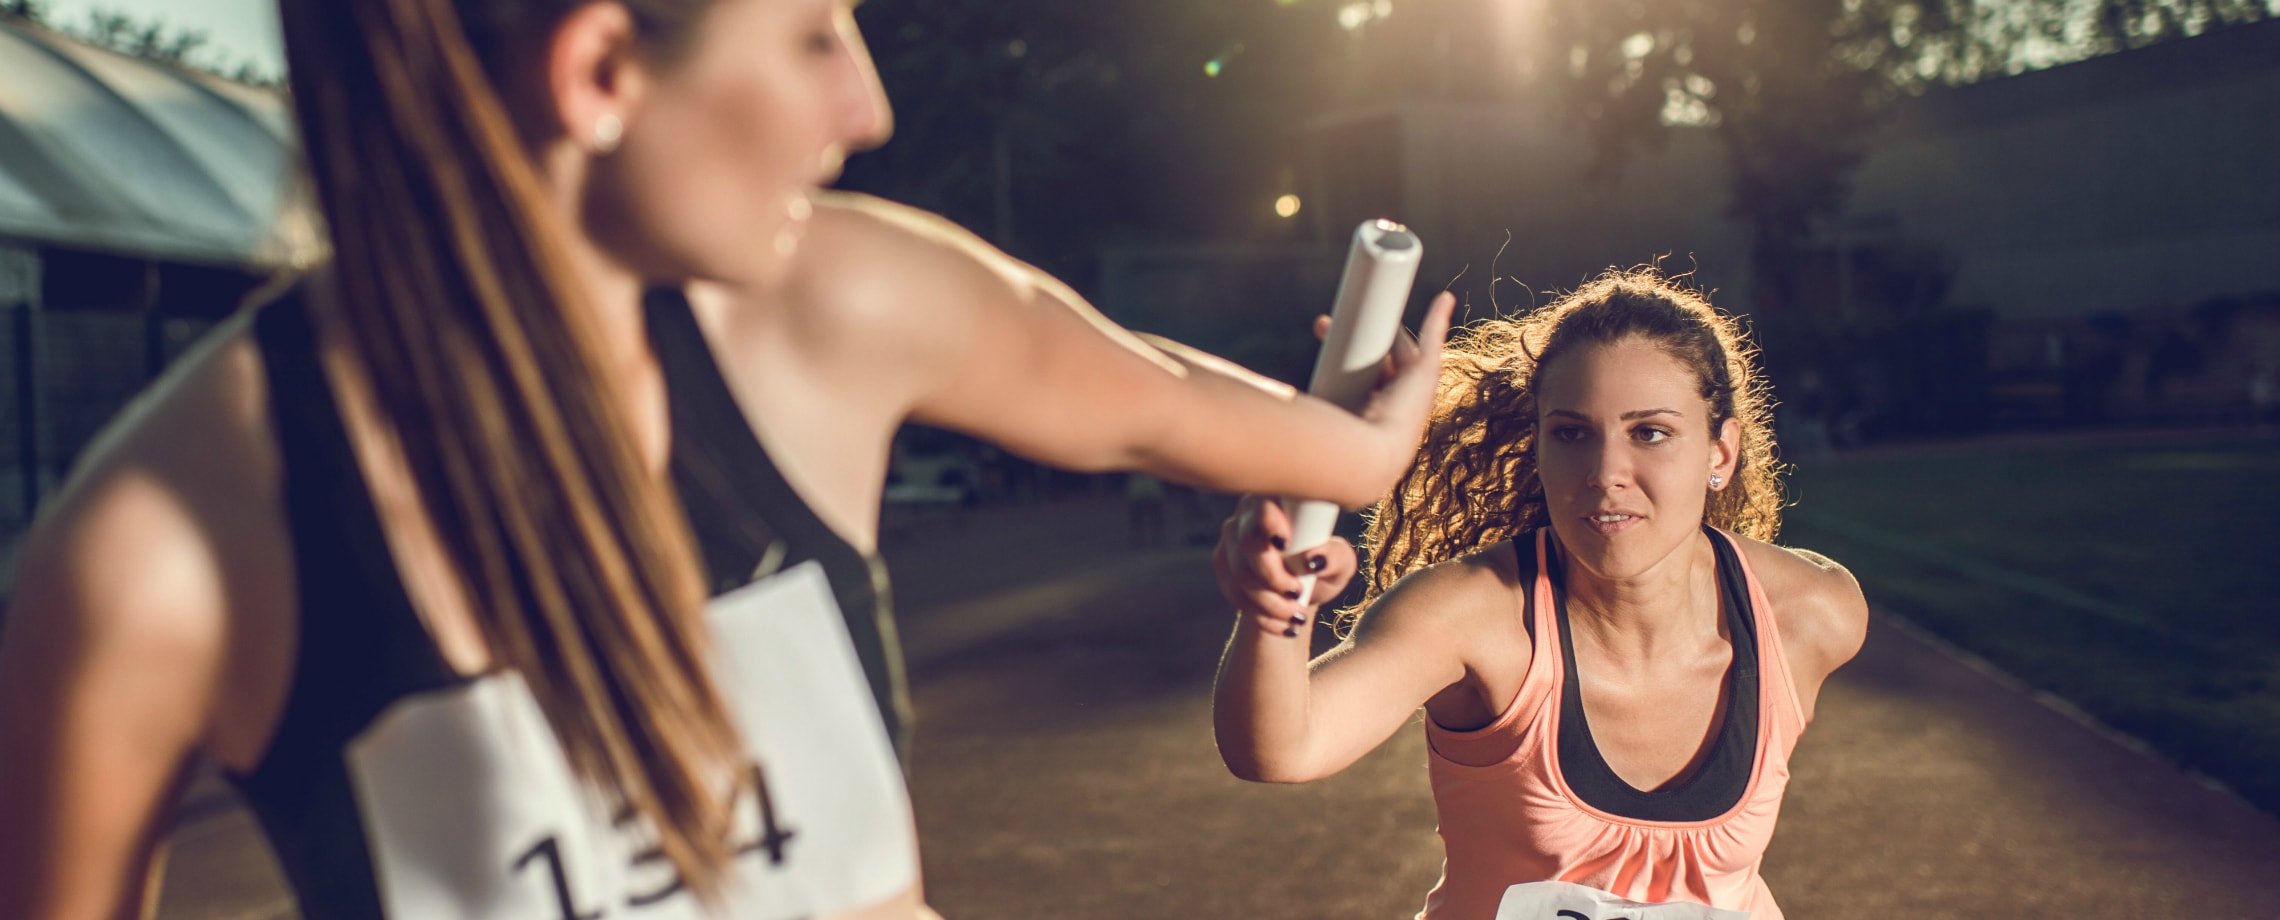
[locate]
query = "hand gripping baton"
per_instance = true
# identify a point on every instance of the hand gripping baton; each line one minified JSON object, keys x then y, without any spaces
{"x":1380,"y":268}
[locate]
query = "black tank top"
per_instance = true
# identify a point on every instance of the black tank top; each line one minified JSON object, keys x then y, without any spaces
{"x":361,"y":648}
{"x":1719,"y":783}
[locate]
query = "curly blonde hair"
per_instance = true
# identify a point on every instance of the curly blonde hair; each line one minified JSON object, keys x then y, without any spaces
{"x":1475,"y":480}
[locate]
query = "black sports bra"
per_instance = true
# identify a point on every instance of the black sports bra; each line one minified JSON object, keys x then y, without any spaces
{"x":1724,"y":777}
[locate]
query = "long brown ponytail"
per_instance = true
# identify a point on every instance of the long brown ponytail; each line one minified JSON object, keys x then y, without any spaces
{"x":485,"y":361}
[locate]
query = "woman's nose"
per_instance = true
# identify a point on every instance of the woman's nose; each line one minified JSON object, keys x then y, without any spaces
{"x":867,"y":120}
{"x":1610,"y":466}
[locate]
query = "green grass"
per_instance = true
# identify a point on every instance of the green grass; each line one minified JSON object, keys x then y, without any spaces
{"x":2141,"y":583}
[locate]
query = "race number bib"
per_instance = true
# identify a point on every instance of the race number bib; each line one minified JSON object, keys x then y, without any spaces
{"x":1570,"y":901}
{"x":471,"y":811}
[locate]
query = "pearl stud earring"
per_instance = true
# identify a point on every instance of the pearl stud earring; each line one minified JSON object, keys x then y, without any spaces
{"x":608,"y":131}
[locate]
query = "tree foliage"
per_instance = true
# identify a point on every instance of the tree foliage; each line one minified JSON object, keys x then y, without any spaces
{"x":150,"y":39}
{"x":1052,"y":126}
{"x":1794,"y":87}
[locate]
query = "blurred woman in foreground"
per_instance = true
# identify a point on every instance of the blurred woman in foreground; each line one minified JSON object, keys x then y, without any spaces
{"x":519,"y":560}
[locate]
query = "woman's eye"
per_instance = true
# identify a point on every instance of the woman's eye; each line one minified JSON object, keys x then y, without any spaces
{"x":1566,"y":435}
{"x":1651,"y":435}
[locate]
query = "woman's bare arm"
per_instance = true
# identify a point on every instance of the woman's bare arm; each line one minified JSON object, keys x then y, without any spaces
{"x":999,"y":350}
{"x":1281,"y":719}
{"x":117,"y":651}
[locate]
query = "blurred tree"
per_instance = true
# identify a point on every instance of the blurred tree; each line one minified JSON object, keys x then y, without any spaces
{"x":1793,"y":87}
{"x":1052,"y":127}
{"x":152,"y":40}
{"x":149,"y":40}
{"x":992,"y":99}
{"x":1794,"y":90}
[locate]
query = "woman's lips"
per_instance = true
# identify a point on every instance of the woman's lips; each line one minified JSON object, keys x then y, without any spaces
{"x":1612,"y":522}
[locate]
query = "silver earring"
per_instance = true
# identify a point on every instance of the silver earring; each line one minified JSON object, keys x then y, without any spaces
{"x":1716,"y":481}
{"x":608,"y":131}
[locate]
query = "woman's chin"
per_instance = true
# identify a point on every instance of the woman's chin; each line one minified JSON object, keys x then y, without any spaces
{"x":760,"y":268}
{"x":1616,"y":553}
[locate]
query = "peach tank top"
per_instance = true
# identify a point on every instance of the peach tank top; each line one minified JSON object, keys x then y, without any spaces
{"x":1508,"y":799}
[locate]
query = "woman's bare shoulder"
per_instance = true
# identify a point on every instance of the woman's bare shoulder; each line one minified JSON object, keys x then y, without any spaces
{"x":856,"y":242}
{"x":852,"y":218}
{"x":860,"y":246}
{"x":167,"y":540}
{"x":1816,"y":601}
{"x":219,"y":386}
{"x":878,"y":285}
{"x":880,"y":288}
{"x":148,"y":620}
{"x":1463,"y":593}
{"x":201,"y":434}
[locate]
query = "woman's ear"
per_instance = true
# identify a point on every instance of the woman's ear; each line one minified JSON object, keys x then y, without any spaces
{"x":594,"y":76}
{"x":1726,"y":453}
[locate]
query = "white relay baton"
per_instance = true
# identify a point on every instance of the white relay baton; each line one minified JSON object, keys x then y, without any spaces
{"x":1380,"y":268}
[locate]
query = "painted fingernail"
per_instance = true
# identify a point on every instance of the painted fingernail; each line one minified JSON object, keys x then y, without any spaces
{"x":1293,"y":595}
{"x":1296,"y":620}
{"x":1291,"y":633}
{"x":1277,"y":541}
{"x":1316,"y":563}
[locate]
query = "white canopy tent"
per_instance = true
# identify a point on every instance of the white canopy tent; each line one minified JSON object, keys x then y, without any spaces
{"x":106,"y":152}
{"x":132,"y":195}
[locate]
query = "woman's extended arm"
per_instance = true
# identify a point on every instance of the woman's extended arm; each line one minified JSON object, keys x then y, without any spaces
{"x":1280,"y":719}
{"x":998,"y":350}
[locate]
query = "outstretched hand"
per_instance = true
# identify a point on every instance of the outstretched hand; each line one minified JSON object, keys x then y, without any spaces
{"x":1404,"y":399}
{"x":1258,"y":573}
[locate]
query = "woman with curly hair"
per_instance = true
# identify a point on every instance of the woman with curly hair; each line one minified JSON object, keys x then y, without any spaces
{"x":1576,"y":581}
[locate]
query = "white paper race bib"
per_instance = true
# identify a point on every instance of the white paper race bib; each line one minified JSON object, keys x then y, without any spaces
{"x":471,"y":811}
{"x":1570,"y":901}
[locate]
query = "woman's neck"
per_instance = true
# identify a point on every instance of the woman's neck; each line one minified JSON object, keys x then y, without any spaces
{"x":608,"y":286}
{"x":613,"y":295}
{"x":1670,"y":607}
{"x":610,"y":292}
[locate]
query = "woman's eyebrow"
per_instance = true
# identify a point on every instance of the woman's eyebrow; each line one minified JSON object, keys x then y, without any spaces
{"x":1627,"y":416}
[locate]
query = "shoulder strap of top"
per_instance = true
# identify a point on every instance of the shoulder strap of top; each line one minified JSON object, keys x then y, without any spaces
{"x":747,"y":519}
{"x":718,"y":462}
{"x":1780,"y":683}
{"x":1504,"y":737}
{"x":360,"y":646}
